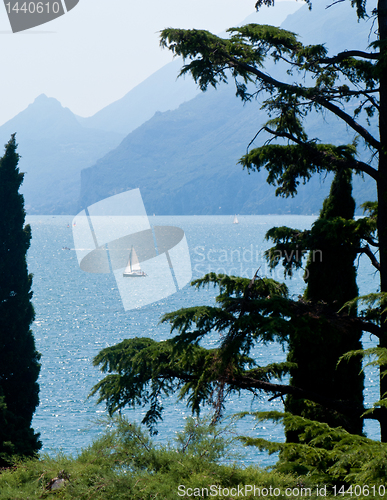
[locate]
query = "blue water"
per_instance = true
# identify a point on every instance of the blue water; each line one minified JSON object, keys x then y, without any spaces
{"x":78,"y":314}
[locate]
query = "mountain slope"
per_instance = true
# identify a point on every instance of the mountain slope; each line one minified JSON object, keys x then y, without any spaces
{"x":184,"y":161}
{"x":142,"y":102}
{"x":163,"y":91}
{"x":54,"y":148}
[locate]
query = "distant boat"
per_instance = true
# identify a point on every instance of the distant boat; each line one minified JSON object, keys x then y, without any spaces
{"x":133,"y":269}
{"x":236,"y":221}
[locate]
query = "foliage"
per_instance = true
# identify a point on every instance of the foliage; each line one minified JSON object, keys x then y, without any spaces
{"x":332,"y":245}
{"x":19,"y":360}
{"x":351,"y":85}
{"x":374,"y":306}
{"x":248,"y":314}
{"x":338,"y":79}
{"x":325,"y":454}
{"x":125,"y":463}
{"x":377,"y":356}
{"x":141,"y":371}
{"x":344,"y":84}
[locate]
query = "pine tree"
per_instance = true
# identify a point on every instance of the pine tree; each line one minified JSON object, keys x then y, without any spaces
{"x":247,"y":314}
{"x":19,"y":360}
{"x":351,"y":85}
{"x":251,"y":311}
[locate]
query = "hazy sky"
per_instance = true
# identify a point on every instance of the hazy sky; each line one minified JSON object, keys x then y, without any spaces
{"x":97,"y":52}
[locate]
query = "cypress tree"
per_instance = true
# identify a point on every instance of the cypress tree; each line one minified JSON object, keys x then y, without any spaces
{"x":19,"y":360}
{"x":331,"y":280}
{"x":331,"y":274}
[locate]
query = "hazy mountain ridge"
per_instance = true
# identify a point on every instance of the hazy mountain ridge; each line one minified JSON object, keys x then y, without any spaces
{"x":185,"y":164}
{"x":54,"y":148}
{"x":141,"y":103}
{"x":184,"y":161}
{"x":163,"y":90}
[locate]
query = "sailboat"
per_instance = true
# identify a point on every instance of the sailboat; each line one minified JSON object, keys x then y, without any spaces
{"x":133,"y":269}
{"x":236,"y":221}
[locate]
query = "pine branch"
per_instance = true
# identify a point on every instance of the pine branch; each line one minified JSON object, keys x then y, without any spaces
{"x":233,"y":332}
{"x":367,"y":326}
{"x":371,"y":241}
{"x":312,"y":94}
{"x":371,"y":99}
{"x":367,"y":251}
{"x":245,"y":382}
{"x":324,"y":156}
{"x":376,"y":414}
{"x":243,"y":58}
{"x":347,"y":54}
{"x":349,"y":120}
{"x":334,"y":3}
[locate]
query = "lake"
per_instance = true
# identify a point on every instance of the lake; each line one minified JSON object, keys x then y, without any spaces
{"x":78,"y":314}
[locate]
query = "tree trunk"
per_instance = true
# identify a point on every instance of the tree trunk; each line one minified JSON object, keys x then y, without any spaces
{"x":382,"y":194}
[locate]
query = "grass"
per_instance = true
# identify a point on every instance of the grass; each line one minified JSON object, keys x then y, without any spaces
{"x":125,"y":464}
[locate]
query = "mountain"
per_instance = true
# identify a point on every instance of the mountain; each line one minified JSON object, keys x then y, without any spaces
{"x":55,"y":144}
{"x":163,"y":91}
{"x":141,"y":103}
{"x":54,"y":148}
{"x":184,"y":160}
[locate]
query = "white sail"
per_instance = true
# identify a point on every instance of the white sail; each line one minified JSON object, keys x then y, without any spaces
{"x":133,"y":268}
{"x":135,"y":264}
{"x":236,"y":221}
